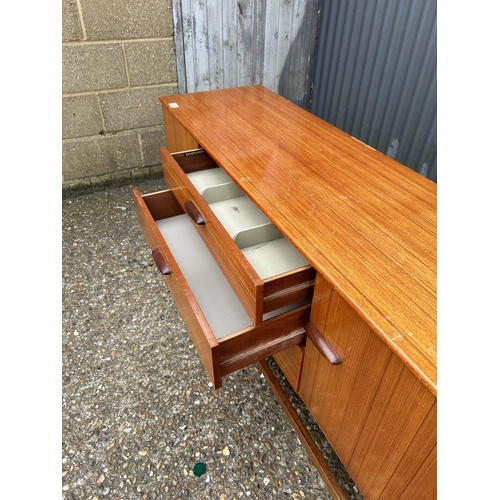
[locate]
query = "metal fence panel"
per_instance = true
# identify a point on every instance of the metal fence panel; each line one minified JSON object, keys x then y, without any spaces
{"x":376,"y":76}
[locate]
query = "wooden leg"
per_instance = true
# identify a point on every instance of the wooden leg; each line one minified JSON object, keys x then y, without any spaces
{"x":305,"y":437}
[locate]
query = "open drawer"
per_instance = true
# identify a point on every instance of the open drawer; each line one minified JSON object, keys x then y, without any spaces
{"x":264,"y":268}
{"x":221,"y":329}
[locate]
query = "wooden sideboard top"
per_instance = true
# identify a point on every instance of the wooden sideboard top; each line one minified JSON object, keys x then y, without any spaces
{"x":367,"y":223}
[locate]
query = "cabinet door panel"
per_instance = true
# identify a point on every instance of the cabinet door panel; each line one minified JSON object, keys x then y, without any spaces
{"x":376,"y":414}
{"x":422,"y":450}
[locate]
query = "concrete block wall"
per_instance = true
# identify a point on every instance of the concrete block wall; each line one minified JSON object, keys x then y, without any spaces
{"x":117,"y":58}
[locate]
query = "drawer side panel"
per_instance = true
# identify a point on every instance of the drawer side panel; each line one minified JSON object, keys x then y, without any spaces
{"x":198,"y":328}
{"x":244,"y":280}
{"x":208,"y":349}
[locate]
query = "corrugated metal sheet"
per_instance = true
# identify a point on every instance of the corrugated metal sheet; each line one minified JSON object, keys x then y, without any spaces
{"x":376,"y":76}
{"x":228,"y":44}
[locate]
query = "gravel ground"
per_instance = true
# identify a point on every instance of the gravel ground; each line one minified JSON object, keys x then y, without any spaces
{"x":138,"y":410}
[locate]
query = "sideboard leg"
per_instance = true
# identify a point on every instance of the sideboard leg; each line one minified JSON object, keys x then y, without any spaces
{"x":305,"y":437}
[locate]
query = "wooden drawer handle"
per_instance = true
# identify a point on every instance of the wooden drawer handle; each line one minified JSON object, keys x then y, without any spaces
{"x":322,"y":344}
{"x":194,"y":213}
{"x":161,"y":262}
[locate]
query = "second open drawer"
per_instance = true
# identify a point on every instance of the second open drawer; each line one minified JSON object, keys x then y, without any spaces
{"x":265,"y":270}
{"x":222,"y":331}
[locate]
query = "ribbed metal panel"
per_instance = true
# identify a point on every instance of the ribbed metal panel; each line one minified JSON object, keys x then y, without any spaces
{"x":376,"y":76}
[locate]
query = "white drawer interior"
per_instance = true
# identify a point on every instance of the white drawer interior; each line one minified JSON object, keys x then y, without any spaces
{"x":214,"y":185}
{"x":263,"y":245}
{"x":239,"y":215}
{"x":274,"y":257}
{"x":220,"y":305}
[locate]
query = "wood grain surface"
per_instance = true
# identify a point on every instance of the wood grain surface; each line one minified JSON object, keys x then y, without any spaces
{"x":364,"y":221}
{"x":378,"y":416}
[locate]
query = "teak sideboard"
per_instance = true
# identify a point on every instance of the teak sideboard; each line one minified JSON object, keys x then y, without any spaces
{"x":280,"y":235}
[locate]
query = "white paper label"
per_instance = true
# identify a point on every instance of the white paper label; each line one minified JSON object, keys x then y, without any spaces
{"x":173,"y":104}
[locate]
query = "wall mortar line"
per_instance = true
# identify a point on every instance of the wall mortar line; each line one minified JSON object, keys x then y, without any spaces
{"x":125,"y":64}
{"x":103,"y":124}
{"x":128,"y":131}
{"x":141,"y":152}
{"x":68,"y":43}
{"x":80,"y":16}
{"x":118,"y":89}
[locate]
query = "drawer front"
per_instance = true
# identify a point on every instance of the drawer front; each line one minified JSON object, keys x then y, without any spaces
{"x":248,"y":286}
{"x":260,"y":294}
{"x":222,"y":332}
